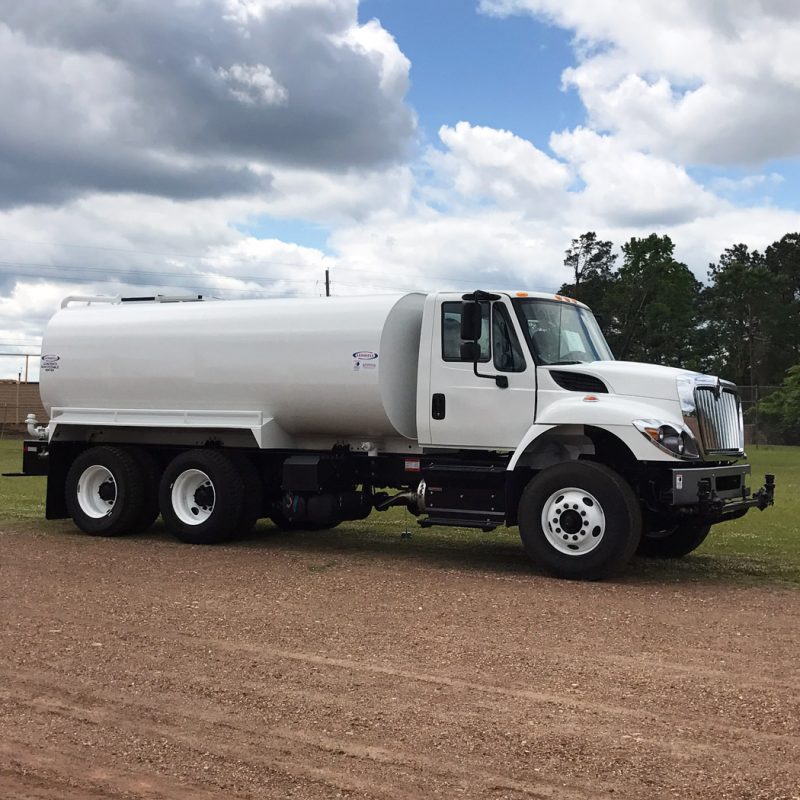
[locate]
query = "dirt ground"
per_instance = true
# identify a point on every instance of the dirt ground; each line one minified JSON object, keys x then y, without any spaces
{"x":287,"y":667}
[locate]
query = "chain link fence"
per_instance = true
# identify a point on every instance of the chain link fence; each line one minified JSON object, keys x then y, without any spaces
{"x":755,"y":431}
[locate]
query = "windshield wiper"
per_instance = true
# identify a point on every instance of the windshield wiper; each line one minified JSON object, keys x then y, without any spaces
{"x":561,"y":363}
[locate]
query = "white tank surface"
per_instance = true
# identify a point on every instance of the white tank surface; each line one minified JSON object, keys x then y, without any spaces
{"x":344,"y":367}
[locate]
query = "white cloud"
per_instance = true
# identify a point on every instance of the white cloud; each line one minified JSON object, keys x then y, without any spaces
{"x":746,"y":183}
{"x":335,"y":199}
{"x":485,"y":163}
{"x":625,"y":186}
{"x":495,"y":211}
{"x":193,"y":99}
{"x":254,"y":85}
{"x":244,"y":11}
{"x":697,"y":82}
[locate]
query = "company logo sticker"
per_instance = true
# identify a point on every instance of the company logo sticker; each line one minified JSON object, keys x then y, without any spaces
{"x":365,"y":355}
{"x":50,"y":362}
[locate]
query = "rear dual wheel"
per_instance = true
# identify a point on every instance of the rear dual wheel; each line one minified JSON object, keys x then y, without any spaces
{"x":204,"y":496}
{"x":207,"y":497}
{"x":109,"y":493}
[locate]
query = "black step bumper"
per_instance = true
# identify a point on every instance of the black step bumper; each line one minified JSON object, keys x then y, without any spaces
{"x":718,"y":493}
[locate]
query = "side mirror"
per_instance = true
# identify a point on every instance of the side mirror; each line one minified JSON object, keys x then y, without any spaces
{"x":470,"y":322}
{"x":470,"y":351}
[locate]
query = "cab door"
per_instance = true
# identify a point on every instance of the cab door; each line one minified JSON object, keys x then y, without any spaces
{"x":471,"y":411}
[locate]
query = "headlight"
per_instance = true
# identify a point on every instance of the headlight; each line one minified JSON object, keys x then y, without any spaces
{"x":675,"y":439}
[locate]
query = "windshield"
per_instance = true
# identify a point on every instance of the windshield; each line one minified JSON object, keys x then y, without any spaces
{"x":561,"y":333}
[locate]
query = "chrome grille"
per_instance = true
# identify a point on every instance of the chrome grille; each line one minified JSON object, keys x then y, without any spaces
{"x":718,"y":416}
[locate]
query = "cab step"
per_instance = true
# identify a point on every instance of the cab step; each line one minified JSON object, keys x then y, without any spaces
{"x":485,"y":521}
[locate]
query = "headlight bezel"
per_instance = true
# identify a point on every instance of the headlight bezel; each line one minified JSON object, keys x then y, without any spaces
{"x":674,"y":438}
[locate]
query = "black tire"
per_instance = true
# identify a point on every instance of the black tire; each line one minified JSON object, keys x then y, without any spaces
{"x":151,"y":475}
{"x":115,"y":507}
{"x":219,"y":510}
{"x":252,"y":503}
{"x":606,"y":504}
{"x":674,"y":542}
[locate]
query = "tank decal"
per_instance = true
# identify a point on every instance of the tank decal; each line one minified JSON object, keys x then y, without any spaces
{"x":365,"y":359}
{"x":50,"y":362}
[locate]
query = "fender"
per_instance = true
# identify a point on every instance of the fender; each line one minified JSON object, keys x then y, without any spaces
{"x":613,"y":413}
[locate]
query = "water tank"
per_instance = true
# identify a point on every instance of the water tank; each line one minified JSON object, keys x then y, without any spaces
{"x":324,"y":366}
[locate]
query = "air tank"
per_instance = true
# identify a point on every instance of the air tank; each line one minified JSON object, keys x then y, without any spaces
{"x":342,"y":367}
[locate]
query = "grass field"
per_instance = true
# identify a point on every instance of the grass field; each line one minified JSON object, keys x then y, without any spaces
{"x":760,"y":546}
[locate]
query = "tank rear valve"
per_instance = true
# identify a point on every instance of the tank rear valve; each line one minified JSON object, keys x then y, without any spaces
{"x":35,"y":431}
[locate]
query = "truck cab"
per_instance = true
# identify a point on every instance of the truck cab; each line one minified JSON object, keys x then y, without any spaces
{"x":539,"y":388}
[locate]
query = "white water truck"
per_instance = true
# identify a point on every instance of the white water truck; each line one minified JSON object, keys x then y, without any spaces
{"x":476,"y":410}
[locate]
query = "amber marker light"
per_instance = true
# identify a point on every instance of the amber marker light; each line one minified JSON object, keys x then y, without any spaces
{"x":590,"y":398}
{"x":521,"y":294}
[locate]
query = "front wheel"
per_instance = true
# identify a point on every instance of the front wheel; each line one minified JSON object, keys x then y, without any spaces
{"x":675,"y":541}
{"x":579,"y":520}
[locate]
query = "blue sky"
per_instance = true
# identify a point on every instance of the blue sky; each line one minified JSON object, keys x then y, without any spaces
{"x":500,"y":72}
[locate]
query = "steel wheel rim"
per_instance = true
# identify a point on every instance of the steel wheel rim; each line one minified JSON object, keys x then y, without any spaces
{"x":193,"y":497}
{"x":573,"y":521}
{"x":97,"y":491}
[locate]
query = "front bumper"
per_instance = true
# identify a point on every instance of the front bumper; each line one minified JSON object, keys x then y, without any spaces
{"x":718,"y":493}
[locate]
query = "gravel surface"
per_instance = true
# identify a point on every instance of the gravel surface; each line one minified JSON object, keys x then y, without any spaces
{"x":284,"y":668}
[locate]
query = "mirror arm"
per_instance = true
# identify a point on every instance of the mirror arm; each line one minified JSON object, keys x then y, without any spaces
{"x":500,"y":380}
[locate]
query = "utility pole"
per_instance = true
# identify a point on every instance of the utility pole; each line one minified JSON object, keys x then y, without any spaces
{"x":327,"y":283}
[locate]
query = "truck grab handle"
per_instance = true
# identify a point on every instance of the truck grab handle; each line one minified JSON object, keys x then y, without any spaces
{"x":88,"y":298}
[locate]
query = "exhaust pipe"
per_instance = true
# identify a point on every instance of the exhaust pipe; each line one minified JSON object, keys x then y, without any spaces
{"x":415,"y":501}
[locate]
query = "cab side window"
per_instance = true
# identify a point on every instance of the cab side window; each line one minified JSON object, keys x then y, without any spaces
{"x":507,"y":352}
{"x":451,"y":332}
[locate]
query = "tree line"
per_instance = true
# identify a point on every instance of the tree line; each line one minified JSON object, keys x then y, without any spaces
{"x":743,"y":324}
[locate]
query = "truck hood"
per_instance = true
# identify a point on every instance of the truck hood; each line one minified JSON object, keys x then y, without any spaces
{"x":632,"y":378}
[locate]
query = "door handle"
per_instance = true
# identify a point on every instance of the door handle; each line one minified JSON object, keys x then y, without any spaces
{"x":438,"y":406}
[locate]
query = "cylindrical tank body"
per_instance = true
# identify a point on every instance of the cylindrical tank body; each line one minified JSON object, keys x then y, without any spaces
{"x":324,"y":366}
